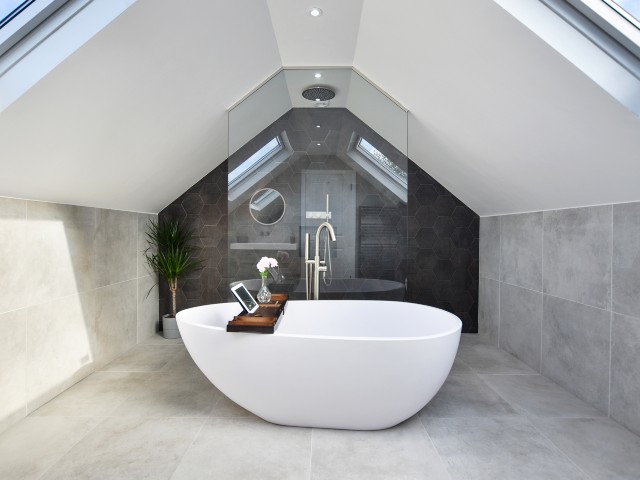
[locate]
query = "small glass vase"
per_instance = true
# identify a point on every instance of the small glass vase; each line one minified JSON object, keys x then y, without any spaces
{"x":264,"y":295}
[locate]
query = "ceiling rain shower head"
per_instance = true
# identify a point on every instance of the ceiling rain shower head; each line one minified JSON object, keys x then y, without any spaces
{"x":318,"y":94}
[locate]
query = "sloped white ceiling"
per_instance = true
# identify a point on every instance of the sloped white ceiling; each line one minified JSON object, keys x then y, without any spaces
{"x":496,"y":115}
{"x":138,"y":114}
{"x":307,"y":41}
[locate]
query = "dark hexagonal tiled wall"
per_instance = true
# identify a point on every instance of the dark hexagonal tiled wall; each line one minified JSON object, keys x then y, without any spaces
{"x":204,"y":207}
{"x":445,"y":273}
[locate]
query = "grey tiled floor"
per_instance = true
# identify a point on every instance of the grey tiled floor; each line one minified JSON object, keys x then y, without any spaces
{"x":151,"y":414}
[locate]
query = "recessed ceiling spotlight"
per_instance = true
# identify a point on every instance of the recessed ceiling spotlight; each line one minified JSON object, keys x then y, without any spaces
{"x":318,"y":75}
{"x":317,"y":126}
{"x":318,"y":144}
{"x":315,"y":12}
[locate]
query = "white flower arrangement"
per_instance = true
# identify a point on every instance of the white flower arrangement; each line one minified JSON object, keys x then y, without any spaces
{"x":264,"y":264}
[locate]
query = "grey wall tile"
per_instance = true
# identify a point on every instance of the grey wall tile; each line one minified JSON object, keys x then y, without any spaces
{"x":60,"y":343}
{"x":575,"y":349}
{"x":521,"y":323}
{"x":577,"y":255}
{"x":490,"y":247}
{"x":115,"y":246}
{"x":143,"y":222}
{"x":61,"y":242}
{"x":148,"y":309}
{"x":489,"y":309}
{"x":521,"y":250}
{"x":626,"y":259}
{"x":116,"y":329}
{"x":625,"y":371}
{"x":13,"y":364}
{"x":15,"y":275}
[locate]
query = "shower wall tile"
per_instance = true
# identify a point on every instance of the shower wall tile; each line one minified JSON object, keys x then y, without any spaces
{"x":521,"y":250}
{"x":15,"y":277}
{"x":626,"y":259}
{"x":577,"y":255}
{"x":521,"y":323}
{"x":490,"y":247}
{"x":489,"y":310}
{"x":625,"y":371}
{"x":576,"y":349}
{"x":115,"y":246}
{"x":13,"y":364}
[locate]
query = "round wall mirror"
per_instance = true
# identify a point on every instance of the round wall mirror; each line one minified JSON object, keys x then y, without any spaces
{"x":267,"y":206}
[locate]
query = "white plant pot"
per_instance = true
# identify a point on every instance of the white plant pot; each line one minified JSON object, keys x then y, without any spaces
{"x":170,"y":327}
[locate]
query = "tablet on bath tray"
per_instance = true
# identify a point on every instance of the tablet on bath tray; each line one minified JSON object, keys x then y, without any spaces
{"x":244,"y":297}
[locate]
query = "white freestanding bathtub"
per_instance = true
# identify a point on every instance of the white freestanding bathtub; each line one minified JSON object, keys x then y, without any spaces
{"x":359,"y":365}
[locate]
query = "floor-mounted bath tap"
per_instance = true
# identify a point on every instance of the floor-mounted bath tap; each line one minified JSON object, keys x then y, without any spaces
{"x":313,"y":267}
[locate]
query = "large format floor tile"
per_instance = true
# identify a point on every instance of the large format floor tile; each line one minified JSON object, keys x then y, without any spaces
{"x":246,"y":448}
{"x":537,"y":395}
{"x":171,"y":395}
{"x":401,"y":452}
{"x":128,"y":449}
{"x":494,"y":418}
{"x":98,"y":395}
{"x":601,"y":447}
{"x":29,"y":448}
{"x":487,"y":359}
{"x":498,"y":448}
{"x":466,"y":396}
{"x":145,"y":358}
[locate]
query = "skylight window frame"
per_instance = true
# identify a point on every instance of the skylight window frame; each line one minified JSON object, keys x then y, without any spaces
{"x":26,"y":21}
{"x":604,"y":27}
{"x":249,"y":166}
{"x":362,"y":149}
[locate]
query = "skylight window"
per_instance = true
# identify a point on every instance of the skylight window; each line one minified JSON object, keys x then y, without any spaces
{"x":628,"y":9}
{"x":255,"y":161}
{"x":20,"y":17}
{"x":619,"y":19}
{"x":381,"y":160}
{"x":594,"y":36}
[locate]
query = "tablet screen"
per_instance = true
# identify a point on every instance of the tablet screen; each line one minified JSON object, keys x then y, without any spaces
{"x":245,"y":298}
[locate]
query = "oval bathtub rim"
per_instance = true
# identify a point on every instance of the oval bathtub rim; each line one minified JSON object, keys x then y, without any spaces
{"x":456,"y":329}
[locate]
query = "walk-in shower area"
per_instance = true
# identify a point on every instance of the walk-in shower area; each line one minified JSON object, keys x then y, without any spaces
{"x":319,"y":162}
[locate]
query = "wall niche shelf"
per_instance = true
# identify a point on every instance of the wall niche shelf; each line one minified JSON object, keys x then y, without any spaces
{"x":263,"y":246}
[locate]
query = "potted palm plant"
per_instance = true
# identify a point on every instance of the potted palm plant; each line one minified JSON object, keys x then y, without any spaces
{"x":172,"y":255}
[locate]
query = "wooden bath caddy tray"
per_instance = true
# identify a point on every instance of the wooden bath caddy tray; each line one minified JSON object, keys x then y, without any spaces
{"x":263,"y":320}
